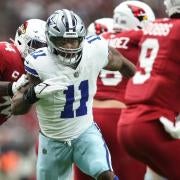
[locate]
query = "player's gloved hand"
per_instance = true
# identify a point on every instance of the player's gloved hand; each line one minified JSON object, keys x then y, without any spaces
{"x":171,"y":128}
{"x":44,"y":89}
{"x":22,"y":81}
{"x":50,"y":86}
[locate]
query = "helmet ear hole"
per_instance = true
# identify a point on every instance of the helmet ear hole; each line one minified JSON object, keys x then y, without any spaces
{"x":29,"y":43}
{"x":19,"y":42}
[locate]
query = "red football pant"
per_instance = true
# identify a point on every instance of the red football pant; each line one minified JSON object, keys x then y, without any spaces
{"x":151,"y":144}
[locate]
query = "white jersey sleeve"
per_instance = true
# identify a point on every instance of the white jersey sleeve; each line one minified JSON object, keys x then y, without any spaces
{"x":99,"y":49}
{"x":28,"y":66}
{"x":32,"y":63}
{"x":37,"y":64}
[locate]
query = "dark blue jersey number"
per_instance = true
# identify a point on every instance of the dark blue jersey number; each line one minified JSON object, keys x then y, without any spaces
{"x":82,"y":109}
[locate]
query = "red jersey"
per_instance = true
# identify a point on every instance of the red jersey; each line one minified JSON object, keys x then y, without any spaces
{"x":154,"y":89}
{"x":111,"y":84}
{"x":11,"y":68}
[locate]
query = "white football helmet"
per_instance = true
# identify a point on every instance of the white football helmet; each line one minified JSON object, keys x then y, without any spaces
{"x":131,"y":15}
{"x":65,"y":26}
{"x":172,"y":6}
{"x":100,"y":25}
{"x":30,"y":36}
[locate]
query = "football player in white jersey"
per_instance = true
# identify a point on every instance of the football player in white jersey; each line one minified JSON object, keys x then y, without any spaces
{"x":62,"y":84}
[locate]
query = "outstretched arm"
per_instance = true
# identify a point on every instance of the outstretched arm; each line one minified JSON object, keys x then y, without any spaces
{"x":23,"y":100}
{"x":10,"y":88}
{"x":19,"y":105}
{"x":4,"y":88}
{"x":117,"y":62}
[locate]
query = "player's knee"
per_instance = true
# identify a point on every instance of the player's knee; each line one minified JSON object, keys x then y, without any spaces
{"x":107,"y":175}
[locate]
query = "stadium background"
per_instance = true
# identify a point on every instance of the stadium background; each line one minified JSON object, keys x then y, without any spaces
{"x":17,"y":136}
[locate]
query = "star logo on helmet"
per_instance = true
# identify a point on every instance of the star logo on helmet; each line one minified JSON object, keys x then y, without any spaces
{"x":51,"y":21}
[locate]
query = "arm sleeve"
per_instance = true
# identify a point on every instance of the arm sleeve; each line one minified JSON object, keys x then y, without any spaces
{"x":101,"y":52}
{"x":29,"y":67}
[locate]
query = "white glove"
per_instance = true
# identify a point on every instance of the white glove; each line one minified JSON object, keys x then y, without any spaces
{"x":22,"y":81}
{"x":171,"y":128}
{"x":50,"y":86}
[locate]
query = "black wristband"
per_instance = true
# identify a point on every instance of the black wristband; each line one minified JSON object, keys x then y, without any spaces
{"x":9,"y":90}
{"x":30,"y":96}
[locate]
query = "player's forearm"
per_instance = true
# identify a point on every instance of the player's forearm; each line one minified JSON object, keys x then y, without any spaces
{"x":128,"y":69}
{"x":18,"y":105}
{"x":10,"y":88}
{"x":4,"y":88}
{"x":117,"y":62}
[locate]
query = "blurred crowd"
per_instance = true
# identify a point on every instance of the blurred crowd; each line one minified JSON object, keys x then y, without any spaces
{"x":14,"y":12}
{"x":17,"y":136}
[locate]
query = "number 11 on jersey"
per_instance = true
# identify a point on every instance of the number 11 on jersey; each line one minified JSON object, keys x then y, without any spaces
{"x":70,"y":98}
